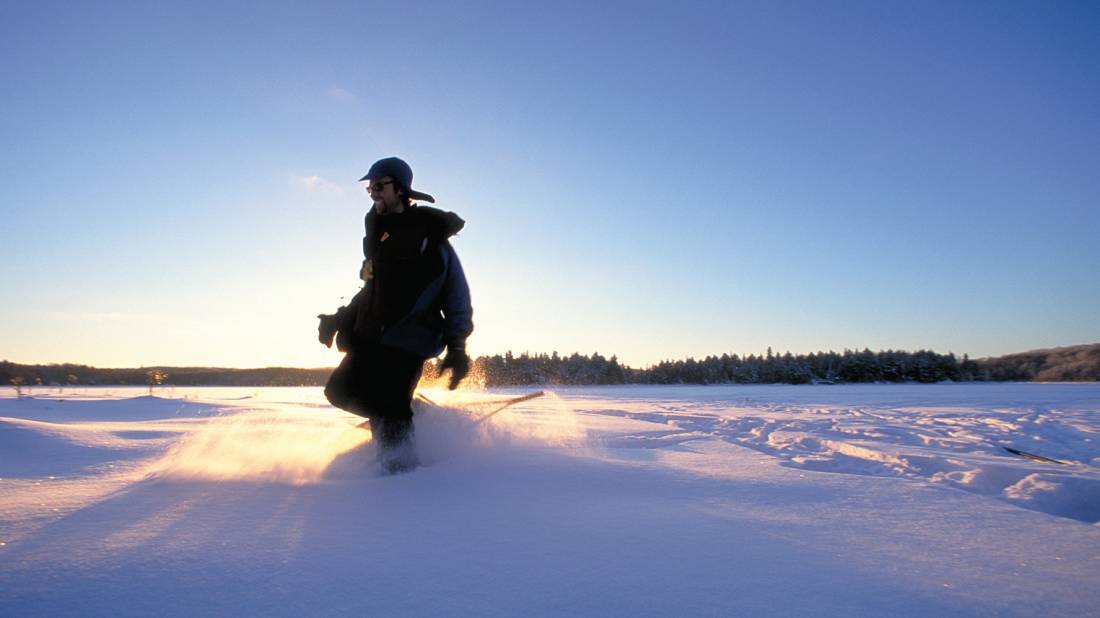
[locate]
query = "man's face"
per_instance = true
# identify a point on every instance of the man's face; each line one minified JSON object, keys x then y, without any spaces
{"x":384,"y":193}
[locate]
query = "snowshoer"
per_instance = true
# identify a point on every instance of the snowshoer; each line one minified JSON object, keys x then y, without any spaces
{"x":414,"y":303}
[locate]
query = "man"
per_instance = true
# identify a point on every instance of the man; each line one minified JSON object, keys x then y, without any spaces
{"x":413,"y":303}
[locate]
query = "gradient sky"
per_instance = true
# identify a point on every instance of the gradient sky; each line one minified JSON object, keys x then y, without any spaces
{"x":638,"y":178}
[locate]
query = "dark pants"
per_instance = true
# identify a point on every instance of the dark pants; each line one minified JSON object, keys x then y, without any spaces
{"x":377,"y":382}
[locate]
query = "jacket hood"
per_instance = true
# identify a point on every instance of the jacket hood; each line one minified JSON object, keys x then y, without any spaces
{"x":441,"y":223}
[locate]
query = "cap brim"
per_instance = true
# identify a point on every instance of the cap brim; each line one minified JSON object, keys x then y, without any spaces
{"x":423,"y":197}
{"x":414,"y":195}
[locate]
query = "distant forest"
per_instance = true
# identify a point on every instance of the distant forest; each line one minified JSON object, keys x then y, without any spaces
{"x":1077,"y":363}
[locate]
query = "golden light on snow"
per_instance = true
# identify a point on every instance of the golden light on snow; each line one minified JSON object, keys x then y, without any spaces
{"x":294,"y":447}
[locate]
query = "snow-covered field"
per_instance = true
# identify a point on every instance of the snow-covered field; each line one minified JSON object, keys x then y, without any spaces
{"x":750,"y":500}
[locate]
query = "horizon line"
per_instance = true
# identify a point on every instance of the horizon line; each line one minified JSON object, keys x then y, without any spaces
{"x":548,"y":354}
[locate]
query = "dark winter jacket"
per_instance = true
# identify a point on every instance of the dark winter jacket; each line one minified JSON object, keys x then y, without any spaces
{"x":415,"y":296}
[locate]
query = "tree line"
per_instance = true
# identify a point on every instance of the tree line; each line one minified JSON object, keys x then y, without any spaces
{"x":1077,"y":363}
{"x":71,"y":374}
{"x":823,"y":367}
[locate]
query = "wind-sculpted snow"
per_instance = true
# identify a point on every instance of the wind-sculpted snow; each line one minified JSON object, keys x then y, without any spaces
{"x":960,"y":447}
{"x":864,"y":500}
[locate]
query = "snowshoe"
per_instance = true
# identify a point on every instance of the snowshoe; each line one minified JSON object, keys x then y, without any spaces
{"x":396,"y":447}
{"x":398,"y":458}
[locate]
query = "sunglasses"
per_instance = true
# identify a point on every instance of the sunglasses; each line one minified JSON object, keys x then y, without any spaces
{"x":379,"y":185}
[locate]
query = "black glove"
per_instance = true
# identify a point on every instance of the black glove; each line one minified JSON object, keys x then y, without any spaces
{"x":326,"y":330}
{"x":459,"y":364}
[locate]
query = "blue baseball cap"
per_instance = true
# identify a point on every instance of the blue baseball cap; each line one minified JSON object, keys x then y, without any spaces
{"x":401,"y":173}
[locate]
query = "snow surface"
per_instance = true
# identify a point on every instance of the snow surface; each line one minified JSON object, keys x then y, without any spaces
{"x":744,"y":500}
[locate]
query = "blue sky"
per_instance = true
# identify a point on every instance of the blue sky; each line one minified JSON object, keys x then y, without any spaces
{"x":179,"y":182}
